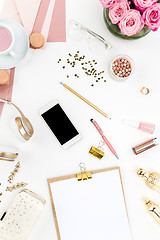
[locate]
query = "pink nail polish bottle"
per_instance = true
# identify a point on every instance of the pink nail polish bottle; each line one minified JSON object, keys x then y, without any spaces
{"x":145,"y":127}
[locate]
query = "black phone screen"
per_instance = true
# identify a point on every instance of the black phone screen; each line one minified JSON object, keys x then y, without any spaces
{"x":60,"y":124}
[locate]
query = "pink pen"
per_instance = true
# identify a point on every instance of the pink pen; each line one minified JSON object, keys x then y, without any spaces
{"x":104,"y":138}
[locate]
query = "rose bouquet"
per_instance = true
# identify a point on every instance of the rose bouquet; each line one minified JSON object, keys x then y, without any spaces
{"x":132,"y":16}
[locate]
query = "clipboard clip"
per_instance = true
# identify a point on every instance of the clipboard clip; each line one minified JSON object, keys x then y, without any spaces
{"x":83,"y":175}
{"x":97,"y":152}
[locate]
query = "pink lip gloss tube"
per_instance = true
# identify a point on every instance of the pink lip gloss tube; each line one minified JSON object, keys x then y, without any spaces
{"x":145,"y":127}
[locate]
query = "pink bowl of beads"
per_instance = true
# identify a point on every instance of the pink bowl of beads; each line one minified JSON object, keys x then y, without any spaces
{"x":121,"y":68}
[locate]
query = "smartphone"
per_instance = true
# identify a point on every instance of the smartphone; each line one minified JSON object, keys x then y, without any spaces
{"x":59,"y":123}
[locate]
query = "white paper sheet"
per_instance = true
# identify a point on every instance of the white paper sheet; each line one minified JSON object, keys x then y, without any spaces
{"x":92,"y":209}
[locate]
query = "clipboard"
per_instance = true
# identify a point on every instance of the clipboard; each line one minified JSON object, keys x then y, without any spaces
{"x":123,"y":231}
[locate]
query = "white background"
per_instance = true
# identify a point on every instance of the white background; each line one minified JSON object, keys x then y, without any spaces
{"x":37,"y":82}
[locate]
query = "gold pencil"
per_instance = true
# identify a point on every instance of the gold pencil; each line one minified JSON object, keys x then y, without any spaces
{"x":85,"y":100}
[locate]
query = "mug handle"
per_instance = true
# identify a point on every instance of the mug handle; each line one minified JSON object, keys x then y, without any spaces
{"x":13,"y":54}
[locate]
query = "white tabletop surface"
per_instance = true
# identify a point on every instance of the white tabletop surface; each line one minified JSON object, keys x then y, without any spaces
{"x":37,"y":82}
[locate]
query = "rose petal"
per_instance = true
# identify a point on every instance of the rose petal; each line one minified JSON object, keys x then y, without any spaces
{"x":151,"y":17}
{"x":131,"y":23}
{"x":118,"y":10}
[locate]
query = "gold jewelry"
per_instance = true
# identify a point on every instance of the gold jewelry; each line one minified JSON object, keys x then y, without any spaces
{"x":14,"y":172}
{"x":6,"y":156}
{"x":145,"y":90}
{"x":8,"y":153}
{"x":14,"y":187}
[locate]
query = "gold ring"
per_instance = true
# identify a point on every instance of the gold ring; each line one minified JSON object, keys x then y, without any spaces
{"x":145,"y":90}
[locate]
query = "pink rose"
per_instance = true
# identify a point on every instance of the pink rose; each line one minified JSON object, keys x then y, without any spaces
{"x":118,"y":10}
{"x":143,"y":4}
{"x":151,"y":17}
{"x":131,"y":23}
{"x":108,"y":3}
